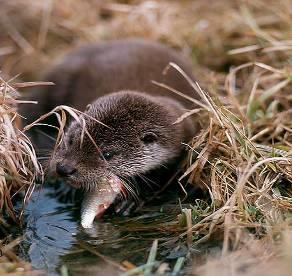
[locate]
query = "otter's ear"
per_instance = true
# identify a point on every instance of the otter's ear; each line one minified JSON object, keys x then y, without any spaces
{"x":149,"y":137}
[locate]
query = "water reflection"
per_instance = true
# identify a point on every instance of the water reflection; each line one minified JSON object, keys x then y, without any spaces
{"x":54,"y":238}
{"x":51,"y":230}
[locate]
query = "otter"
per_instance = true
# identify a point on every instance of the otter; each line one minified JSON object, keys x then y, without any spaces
{"x":128,"y":136}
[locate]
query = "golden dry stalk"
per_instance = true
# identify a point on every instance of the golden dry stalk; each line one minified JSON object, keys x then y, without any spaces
{"x":18,"y":163}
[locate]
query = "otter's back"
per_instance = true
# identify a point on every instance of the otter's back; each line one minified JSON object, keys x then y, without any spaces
{"x":98,"y":69}
{"x":95,"y":70}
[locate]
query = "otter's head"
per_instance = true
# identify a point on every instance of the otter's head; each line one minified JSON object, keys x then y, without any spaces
{"x":137,"y":135}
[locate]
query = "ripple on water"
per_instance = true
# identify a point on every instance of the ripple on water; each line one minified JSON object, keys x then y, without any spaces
{"x":54,"y":238}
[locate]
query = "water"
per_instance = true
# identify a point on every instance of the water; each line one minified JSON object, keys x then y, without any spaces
{"x":50,"y":232}
{"x":54,"y":240}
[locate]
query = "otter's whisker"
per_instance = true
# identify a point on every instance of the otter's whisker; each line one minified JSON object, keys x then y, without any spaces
{"x":122,"y":195}
{"x":52,"y":138}
{"x":131,"y":191}
{"x":149,"y":182}
{"x":43,"y":158}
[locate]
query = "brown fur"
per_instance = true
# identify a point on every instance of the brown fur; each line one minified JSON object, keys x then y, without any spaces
{"x":129,"y":117}
{"x":136,"y":110}
{"x":99,"y":69}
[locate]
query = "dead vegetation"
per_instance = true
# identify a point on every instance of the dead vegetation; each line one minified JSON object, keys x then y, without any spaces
{"x":11,"y":264}
{"x":243,"y":157}
{"x":19,"y":169}
{"x":256,"y":257}
{"x":242,"y":56}
{"x":18,"y":163}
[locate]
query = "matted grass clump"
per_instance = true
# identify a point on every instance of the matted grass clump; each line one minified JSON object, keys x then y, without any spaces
{"x":243,"y":157}
{"x":19,"y":169}
{"x":18,"y":163}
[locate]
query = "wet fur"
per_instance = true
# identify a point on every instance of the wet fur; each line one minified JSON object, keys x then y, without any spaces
{"x":115,"y":78}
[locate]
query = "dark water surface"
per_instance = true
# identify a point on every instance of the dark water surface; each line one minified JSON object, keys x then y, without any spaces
{"x":54,"y":240}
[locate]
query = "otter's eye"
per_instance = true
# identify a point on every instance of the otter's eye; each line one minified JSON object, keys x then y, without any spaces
{"x":149,"y":137}
{"x":107,"y":155}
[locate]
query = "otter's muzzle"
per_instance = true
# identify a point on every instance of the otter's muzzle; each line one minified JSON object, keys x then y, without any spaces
{"x":65,"y":170}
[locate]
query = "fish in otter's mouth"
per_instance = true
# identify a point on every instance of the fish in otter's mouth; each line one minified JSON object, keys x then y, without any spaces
{"x":97,"y":201}
{"x":137,"y":136}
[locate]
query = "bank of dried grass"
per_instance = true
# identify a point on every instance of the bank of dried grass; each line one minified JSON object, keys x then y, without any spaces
{"x":18,"y":163}
{"x":243,"y":156}
{"x":19,"y":169}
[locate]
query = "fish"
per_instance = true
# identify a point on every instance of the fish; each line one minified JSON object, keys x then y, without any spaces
{"x":97,"y":201}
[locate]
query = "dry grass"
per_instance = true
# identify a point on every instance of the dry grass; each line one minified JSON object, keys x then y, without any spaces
{"x":33,"y":33}
{"x":11,"y":264}
{"x":18,"y":163}
{"x":243,"y":155}
{"x":18,"y":171}
{"x":256,"y":257}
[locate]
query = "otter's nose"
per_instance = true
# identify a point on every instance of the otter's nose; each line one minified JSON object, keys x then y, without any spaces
{"x":65,"y":170}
